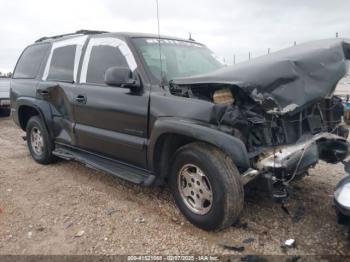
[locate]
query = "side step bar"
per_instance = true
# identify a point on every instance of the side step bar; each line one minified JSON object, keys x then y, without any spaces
{"x":109,"y":166}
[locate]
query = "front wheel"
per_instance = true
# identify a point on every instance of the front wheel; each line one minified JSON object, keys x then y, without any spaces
{"x":206,"y":186}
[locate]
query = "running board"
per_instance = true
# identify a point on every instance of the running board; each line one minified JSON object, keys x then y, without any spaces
{"x":114,"y":168}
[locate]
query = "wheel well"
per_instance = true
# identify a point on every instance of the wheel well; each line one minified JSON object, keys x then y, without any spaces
{"x":165,"y":149}
{"x":25,"y":113}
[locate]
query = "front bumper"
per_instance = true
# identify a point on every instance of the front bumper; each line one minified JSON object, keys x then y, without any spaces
{"x":294,"y":159}
{"x":284,"y":163}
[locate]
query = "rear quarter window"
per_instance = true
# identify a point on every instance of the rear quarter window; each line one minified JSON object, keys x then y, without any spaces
{"x":30,"y":61}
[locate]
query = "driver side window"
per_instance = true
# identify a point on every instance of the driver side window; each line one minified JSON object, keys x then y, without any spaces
{"x":104,"y":53}
{"x":101,"y":58}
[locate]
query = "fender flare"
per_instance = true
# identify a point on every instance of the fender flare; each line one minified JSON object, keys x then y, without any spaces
{"x":231,"y":145}
{"x":41,"y":106}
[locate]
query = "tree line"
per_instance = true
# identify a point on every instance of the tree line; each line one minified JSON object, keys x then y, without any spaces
{"x":5,"y":75}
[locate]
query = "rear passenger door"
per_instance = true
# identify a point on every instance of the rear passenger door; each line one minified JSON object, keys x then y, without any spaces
{"x":57,"y":88}
{"x":110,"y":121}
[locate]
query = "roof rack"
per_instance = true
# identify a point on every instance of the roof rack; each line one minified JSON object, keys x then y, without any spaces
{"x":79,"y":32}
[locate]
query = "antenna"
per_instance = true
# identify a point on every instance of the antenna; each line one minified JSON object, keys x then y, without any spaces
{"x":160,"y":48}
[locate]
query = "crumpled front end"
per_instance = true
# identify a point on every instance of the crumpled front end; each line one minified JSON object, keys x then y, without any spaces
{"x":281,"y":106}
{"x":276,"y":142}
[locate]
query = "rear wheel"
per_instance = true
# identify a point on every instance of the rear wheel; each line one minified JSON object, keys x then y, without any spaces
{"x":206,"y":186}
{"x":38,"y":141}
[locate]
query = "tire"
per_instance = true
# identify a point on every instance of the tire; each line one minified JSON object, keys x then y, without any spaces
{"x":36,"y":126}
{"x":224,"y":206}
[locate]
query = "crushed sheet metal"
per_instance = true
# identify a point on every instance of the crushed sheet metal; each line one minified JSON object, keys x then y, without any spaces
{"x":288,"y":80}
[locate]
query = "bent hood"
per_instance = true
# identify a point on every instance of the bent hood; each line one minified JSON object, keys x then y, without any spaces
{"x":288,"y":80}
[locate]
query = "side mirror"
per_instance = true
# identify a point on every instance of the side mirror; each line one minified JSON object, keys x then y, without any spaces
{"x":121,"y":77}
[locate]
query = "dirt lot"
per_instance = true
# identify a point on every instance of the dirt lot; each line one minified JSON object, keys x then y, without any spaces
{"x":66,"y":208}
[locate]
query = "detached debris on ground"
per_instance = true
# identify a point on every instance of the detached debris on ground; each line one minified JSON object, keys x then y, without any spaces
{"x":237,"y":248}
{"x":80,"y":233}
{"x":298,"y":214}
{"x":289,"y":243}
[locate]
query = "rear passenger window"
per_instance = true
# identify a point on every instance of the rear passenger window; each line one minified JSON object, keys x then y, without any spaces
{"x":62,"y":64}
{"x":103,"y":57}
{"x":29,"y":63}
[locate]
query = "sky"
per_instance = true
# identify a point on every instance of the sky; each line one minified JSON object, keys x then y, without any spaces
{"x":228,"y":27}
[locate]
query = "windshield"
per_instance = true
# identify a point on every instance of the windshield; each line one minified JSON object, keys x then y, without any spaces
{"x":179,"y":58}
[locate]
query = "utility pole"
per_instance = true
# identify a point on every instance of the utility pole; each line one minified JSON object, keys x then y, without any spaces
{"x":249,"y":55}
{"x":268,"y":50}
{"x":234,"y":59}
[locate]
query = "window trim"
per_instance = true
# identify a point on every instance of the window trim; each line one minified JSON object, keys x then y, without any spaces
{"x":106,"y":41}
{"x":79,"y":43}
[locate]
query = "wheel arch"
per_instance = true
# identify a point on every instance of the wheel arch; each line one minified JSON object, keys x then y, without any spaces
{"x":28,"y":107}
{"x":169,"y":134}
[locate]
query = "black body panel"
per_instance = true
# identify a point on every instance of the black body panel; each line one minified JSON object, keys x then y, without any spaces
{"x":113,"y":121}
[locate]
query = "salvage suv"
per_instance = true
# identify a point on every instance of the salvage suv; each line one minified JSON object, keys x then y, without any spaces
{"x":154,"y":110}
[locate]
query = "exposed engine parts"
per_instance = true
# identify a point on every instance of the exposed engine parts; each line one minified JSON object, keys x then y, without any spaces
{"x":285,"y":146}
{"x":282,"y":109}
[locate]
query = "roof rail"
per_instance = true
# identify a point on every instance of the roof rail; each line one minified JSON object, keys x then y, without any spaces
{"x":79,"y":32}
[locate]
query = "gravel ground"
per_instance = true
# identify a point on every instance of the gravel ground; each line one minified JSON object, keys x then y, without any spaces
{"x":66,"y":208}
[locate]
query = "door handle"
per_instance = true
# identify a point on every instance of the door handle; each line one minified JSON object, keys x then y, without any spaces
{"x":81,"y":99}
{"x":43,"y":92}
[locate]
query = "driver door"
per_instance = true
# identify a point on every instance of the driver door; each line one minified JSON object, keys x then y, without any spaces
{"x":110,"y":121}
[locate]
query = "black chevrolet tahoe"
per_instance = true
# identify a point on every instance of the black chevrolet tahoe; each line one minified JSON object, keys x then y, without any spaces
{"x":159,"y":110}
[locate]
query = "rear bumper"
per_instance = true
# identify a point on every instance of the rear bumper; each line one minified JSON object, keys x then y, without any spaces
{"x":4,"y":99}
{"x":4,"y":102}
